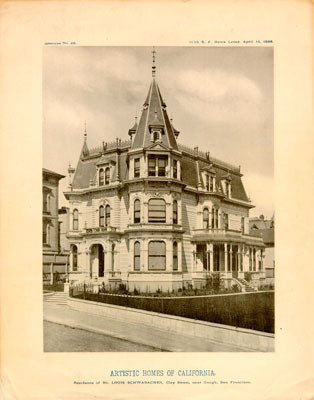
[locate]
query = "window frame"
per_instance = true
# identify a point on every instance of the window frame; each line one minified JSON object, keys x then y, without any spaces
{"x":175,"y":219}
{"x":107,"y":215}
{"x":175,"y":264}
{"x":137,"y":256}
{"x":74,"y":258}
{"x":161,"y":255}
{"x":75,"y":225}
{"x":206,"y":220}
{"x":101,"y":216}
{"x":107,"y":176}
{"x":155,"y":220}
{"x":175,"y":169}
{"x":101,"y":177}
{"x":137,"y":168}
{"x":137,"y":212}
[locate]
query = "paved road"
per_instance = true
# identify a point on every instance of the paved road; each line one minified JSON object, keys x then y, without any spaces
{"x":60,"y":338}
{"x":131,"y":332}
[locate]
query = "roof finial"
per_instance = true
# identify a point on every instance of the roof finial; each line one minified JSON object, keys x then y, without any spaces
{"x":154,"y":66}
{"x":85,"y":132}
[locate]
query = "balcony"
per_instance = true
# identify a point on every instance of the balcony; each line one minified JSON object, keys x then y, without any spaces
{"x":224,"y":235}
{"x":165,"y":227}
{"x":100,"y":230}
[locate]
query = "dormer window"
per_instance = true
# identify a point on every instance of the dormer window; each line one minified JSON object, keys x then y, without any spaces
{"x":156,"y":136}
{"x":101,"y":177}
{"x":107,"y":176}
{"x":211,"y":183}
{"x":207,"y":183}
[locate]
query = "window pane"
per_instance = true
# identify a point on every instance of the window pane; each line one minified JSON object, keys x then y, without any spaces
{"x":205,"y":218}
{"x":107,"y":215}
{"x":175,"y":168}
{"x":136,"y":167}
{"x":75,"y":220}
{"x":151,"y":166}
{"x":107,"y":176}
{"x":137,"y":211}
{"x":175,"y":212}
{"x":157,"y":255}
{"x":101,"y":177}
{"x":162,"y":161}
{"x":175,"y":256}
{"x":156,"y":210}
{"x":137,"y":257}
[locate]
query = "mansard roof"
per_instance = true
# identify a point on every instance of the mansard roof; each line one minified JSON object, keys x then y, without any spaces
{"x":191,"y":167}
{"x":154,"y":114}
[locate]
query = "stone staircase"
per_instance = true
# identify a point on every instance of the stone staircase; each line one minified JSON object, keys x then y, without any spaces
{"x":246,"y":287}
{"x":56,"y":297}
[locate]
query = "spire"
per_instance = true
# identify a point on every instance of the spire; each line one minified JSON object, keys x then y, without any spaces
{"x":85,"y":150}
{"x":154,"y":116}
{"x":154,"y":66}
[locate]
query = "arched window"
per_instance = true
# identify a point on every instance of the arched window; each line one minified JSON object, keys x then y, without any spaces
{"x":207,"y":183}
{"x":74,"y":258}
{"x":75,"y":219}
{"x":107,"y":215}
{"x":107,"y":176}
{"x":137,"y":211}
{"x":46,"y":201}
{"x":46,"y":233}
{"x":216,"y":218}
{"x":213,"y":217}
{"x":137,"y":256}
{"x":157,"y":211}
{"x":101,"y":216}
{"x":156,"y":255}
{"x":175,"y":212}
{"x":101,"y":177}
{"x":205,"y":218}
{"x":175,"y":256}
{"x":242,"y":225}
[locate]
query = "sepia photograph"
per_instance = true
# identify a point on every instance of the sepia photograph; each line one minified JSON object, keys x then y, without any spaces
{"x":158,"y":199}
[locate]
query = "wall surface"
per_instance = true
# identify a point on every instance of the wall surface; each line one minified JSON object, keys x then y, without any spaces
{"x":244,"y":338}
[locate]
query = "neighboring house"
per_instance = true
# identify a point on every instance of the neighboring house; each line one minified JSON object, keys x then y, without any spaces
{"x":64,"y":219}
{"x":53,"y":260}
{"x":154,"y":214}
{"x":260,"y":227}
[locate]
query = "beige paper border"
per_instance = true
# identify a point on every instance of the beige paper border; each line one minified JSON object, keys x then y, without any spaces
{"x":27,"y":372}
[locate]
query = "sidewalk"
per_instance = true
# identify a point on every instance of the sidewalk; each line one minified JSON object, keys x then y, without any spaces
{"x":163,"y":340}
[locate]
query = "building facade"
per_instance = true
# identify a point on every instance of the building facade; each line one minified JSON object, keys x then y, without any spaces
{"x":264,"y":228}
{"x":53,"y":259}
{"x":153,"y":214}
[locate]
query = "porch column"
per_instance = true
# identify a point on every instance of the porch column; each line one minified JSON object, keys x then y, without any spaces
{"x":51,"y":273}
{"x":194,"y":258}
{"x":87,"y":267}
{"x":226,"y":257}
{"x":230,"y":258}
{"x":211,"y":257}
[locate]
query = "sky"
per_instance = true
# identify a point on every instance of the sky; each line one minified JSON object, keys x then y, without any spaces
{"x":220,"y":99}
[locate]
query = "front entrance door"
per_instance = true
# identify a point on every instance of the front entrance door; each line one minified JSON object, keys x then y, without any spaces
{"x":101,"y":261}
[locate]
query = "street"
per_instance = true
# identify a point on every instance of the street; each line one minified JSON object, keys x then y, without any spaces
{"x":60,"y":338}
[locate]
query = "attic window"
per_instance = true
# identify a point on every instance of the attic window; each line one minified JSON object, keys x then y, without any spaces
{"x":156,"y":136}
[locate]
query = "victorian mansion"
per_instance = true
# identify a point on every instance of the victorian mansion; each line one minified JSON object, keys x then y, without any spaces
{"x":153,"y":214}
